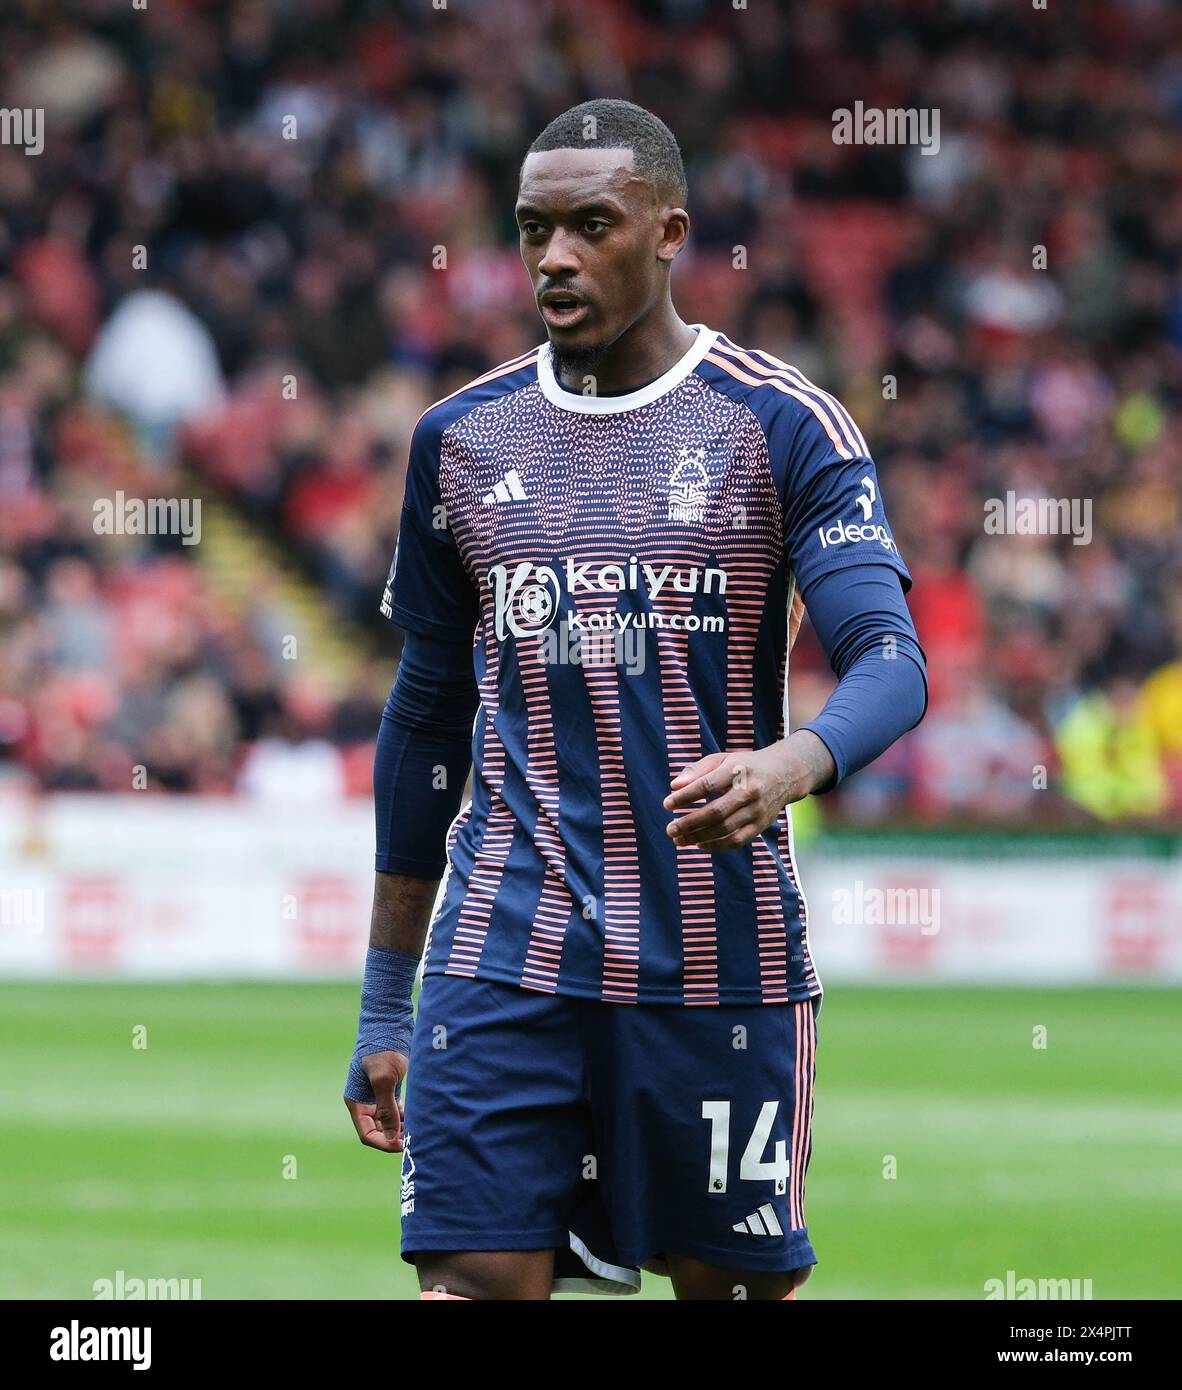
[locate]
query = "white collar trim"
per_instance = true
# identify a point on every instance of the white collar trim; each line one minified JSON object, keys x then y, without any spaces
{"x":610,"y":405}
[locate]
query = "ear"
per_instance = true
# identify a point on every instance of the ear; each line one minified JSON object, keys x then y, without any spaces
{"x":674,"y":233}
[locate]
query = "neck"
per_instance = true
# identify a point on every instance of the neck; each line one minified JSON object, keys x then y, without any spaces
{"x":643,"y":352}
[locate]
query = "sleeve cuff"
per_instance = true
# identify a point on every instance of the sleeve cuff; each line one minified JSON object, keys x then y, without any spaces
{"x":834,"y":753}
{"x":411,"y":868}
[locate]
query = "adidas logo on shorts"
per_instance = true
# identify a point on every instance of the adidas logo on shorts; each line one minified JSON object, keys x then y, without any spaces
{"x":763,"y":1222}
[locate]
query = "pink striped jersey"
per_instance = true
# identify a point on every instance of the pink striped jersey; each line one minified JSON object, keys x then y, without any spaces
{"x":624,"y":566}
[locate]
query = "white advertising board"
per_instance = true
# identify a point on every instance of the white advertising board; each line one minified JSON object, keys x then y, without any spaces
{"x":150,"y":888}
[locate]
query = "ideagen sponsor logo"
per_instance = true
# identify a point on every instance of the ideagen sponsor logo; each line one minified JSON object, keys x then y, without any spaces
{"x":526,"y":599}
{"x":845,"y":532}
{"x":850,"y":532}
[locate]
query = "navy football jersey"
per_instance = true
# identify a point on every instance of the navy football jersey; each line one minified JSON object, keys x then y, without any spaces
{"x":624,"y":566}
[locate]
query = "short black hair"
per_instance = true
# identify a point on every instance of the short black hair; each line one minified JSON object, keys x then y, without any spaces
{"x":608,"y":123}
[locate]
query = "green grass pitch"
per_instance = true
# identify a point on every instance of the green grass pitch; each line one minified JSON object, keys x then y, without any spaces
{"x":169,"y":1161}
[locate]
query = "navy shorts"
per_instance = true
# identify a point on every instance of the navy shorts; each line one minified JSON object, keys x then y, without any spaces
{"x":615,"y":1134}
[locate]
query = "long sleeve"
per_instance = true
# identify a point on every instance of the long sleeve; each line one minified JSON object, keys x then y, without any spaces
{"x":865,"y":628}
{"x":424,"y":751}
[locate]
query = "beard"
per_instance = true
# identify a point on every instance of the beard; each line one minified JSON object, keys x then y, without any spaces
{"x":577,"y":363}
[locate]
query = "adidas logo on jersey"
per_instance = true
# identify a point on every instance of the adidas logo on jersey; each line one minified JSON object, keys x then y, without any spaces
{"x":509,"y":489}
{"x":763,"y":1222}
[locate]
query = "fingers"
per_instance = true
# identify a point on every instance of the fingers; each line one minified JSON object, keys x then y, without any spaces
{"x":369,"y":1129}
{"x":695,"y":770}
{"x":385,"y":1080}
{"x":734,"y":839}
{"x":718,"y":776}
{"x":736,"y":809}
{"x":727,"y":832}
{"x":706,"y":778}
{"x":389,"y":1117}
{"x":379,"y":1123}
{"x":708,"y":785}
{"x":713,"y":820}
{"x":734,"y":832}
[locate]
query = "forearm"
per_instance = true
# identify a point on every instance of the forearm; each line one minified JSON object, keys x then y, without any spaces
{"x":421,"y":764}
{"x":401,"y":912}
{"x":420,"y":767}
{"x":397,"y":930}
{"x":862,"y":621}
{"x":875,"y":703}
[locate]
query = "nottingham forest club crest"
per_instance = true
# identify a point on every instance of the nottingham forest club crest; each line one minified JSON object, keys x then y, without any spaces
{"x":408,"y":1179}
{"x":688,"y":484}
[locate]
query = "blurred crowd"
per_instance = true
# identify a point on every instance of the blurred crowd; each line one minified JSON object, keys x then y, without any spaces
{"x":262,"y":236}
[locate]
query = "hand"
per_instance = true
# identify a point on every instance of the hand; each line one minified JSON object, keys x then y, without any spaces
{"x":379,"y":1125}
{"x":745,"y":790}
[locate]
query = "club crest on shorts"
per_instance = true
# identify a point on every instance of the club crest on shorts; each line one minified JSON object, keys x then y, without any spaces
{"x":688,"y":484}
{"x":408,"y":1179}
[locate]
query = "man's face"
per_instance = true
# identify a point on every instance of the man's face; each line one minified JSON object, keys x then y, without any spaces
{"x":593,"y":238}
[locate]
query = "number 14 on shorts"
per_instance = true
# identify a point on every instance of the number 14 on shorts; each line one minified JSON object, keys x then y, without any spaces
{"x":753,"y":1167}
